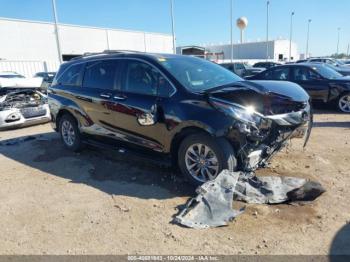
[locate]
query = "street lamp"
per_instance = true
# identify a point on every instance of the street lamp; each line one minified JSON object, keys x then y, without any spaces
{"x":307,"y":38}
{"x":56,"y":31}
{"x":173,"y":24}
{"x":290,"y":37}
{"x":267,"y":29}
{"x":231,"y":23}
{"x":338,"y":40}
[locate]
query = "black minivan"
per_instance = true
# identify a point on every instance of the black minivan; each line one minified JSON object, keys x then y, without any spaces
{"x":189,"y":111}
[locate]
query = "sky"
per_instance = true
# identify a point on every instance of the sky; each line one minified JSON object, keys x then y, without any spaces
{"x":202,"y":21}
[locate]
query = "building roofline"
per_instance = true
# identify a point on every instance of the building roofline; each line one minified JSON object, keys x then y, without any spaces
{"x":80,"y":26}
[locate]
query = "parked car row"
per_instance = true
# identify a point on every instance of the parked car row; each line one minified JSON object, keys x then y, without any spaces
{"x":319,"y":80}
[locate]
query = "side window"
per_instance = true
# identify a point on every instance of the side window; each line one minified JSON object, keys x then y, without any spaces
{"x":101,"y":74}
{"x":277,"y":74}
{"x":142,"y":78}
{"x":71,"y":76}
{"x":304,"y":74}
{"x":240,"y":66}
{"x":165,"y":89}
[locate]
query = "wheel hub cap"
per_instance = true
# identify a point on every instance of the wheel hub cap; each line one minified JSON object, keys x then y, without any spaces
{"x":344,"y":103}
{"x":68,"y":133}
{"x":201,"y":162}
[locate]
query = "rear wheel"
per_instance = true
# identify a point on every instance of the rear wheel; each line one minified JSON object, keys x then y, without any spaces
{"x":201,"y":158}
{"x":344,"y":103}
{"x":70,"y":133}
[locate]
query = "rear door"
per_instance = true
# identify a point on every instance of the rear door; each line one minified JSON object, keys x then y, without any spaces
{"x":139,"y":115}
{"x":100,"y":85}
{"x":313,"y":83}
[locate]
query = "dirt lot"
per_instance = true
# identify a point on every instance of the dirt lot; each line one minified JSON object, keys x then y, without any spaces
{"x":57,"y":202}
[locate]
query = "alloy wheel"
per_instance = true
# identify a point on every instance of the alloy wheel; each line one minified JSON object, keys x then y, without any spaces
{"x":201,"y":162}
{"x":68,"y":133}
{"x":344,"y":103}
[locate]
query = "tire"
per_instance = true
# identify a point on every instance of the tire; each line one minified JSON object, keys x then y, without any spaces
{"x":218,"y":147}
{"x":68,"y":128}
{"x":343,"y":103}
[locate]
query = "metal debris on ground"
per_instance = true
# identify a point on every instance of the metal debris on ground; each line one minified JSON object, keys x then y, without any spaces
{"x":213,"y":205}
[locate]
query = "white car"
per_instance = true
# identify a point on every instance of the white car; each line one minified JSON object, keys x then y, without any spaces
{"x":22,"y":107}
{"x":13,"y":79}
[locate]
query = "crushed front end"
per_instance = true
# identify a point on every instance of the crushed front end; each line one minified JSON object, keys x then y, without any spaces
{"x":263,"y":120}
{"x":22,"y":106}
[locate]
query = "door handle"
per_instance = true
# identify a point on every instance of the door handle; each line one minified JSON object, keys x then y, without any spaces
{"x":119,"y":97}
{"x":105,"y":95}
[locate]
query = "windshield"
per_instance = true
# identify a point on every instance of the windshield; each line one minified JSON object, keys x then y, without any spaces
{"x":197,"y":74}
{"x":327,"y":71}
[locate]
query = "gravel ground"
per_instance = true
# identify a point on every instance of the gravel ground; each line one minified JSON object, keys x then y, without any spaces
{"x":98,"y":202}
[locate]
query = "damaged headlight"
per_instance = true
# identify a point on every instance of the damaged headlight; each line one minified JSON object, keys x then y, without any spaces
{"x":247,"y":114}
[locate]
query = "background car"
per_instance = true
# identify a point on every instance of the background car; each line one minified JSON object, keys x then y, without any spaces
{"x":327,"y":60}
{"x":242,"y":69}
{"x":320,"y":81}
{"x":47,"y":78}
{"x":13,"y":79}
{"x":266,"y":65}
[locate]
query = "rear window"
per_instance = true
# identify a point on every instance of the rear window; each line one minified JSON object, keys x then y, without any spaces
{"x":71,"y":76}
{"x":101,"y":74}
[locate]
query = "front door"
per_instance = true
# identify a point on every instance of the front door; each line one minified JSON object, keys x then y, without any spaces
{"x":139,"y":113}
{"x":312,"y":82}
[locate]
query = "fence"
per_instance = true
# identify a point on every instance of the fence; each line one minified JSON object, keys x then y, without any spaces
{"x":28,"y":68}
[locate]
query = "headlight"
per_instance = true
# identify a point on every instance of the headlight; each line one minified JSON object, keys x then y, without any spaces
{"x":241,"y":113}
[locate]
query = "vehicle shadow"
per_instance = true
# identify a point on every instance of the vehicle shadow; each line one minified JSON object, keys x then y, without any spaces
{"x":106,"y":170}
{"x":332,"y":124}
{"x":340,"y":247}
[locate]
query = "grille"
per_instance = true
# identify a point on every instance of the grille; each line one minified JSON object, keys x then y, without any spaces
{"x":31,"y":112}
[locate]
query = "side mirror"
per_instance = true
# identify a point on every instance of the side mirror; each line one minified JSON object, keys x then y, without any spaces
{"x":147,"y":119}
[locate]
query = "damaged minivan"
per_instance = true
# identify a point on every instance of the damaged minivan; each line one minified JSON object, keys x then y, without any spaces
{"x":21,"y":106}
{"x":185,"y":110}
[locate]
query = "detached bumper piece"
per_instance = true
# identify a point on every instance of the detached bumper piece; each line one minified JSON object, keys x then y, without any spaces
{"x":213,"y":205}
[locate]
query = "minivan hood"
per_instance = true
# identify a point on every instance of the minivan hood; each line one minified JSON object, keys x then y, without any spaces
{"x":267,"y":97}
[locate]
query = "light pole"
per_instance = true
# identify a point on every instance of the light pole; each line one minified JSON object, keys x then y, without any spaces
{"x":173,"y":25}
{"x":231,"y":25}
{"x":307,"y":39}
{"x":267,"y":29}
{"x":338,"y":40}
{"x":56,"y":31}
{"x":290,"y":36}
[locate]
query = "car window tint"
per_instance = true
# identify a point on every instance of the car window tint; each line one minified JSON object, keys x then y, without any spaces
{"x":141,"y":78}
{"x":304,"y":74}
{"x":165,"y":89}
{"x":277,"y":74}
{"x":239,"y":66}
{"x":71,"y":76}
{"x":100,"y":74}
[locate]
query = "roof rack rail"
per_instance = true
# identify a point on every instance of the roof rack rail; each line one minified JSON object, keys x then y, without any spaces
{"x":87,"y":54}
{"x":108,"y":51}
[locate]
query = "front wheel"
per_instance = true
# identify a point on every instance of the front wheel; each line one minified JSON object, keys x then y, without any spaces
{"x":344,"y":103}
{"x":202,"y":157}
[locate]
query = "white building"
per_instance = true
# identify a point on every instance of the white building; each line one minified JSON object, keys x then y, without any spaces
{"x":278,"y":50}
{"x":23,"y":40}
